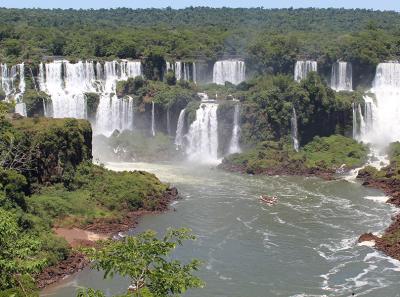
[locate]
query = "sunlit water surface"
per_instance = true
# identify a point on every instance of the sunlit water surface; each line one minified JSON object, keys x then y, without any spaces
{"x":305,"y":245}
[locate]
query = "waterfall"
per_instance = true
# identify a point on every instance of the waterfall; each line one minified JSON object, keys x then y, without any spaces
{"x":342,"y":76}
{"x":234,"y":144}
{"x":302,"y":68}
{"x":232,"y":71}
{"x":179,"y":129}
{"x":67,"y":83}
{"x":295,"y":136}
{"x":194,"y":73}
{"x":203,"y":135}
{"x":20,"y":106}
{"x":361,"y":125}
{"x":381,"y":119}
{"x":183,"y":70}
{"x":153,"y":124}
{"x":13,"y":91}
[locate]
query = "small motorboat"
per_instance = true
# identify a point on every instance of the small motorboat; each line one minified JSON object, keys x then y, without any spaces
{"x":269,"y":200}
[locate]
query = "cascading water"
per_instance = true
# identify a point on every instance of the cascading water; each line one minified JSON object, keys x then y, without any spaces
{"x":353,"y":105}
{"x":295,"y":137}
{"x":12,"y":90}
{"x":234,"y":144}
{"x":183,"y":70}
{"x":67,"y":84}
{"x":203,"y":135}
{"x":233,"y":71}
{"x":20,"y":106}
{"x":302,"y":68}
{"x":153,"y":121}
{"x":342,"y":76}
{"x":194,"y":73}
{"x":179,"y":129}
{"x":379,"y":125}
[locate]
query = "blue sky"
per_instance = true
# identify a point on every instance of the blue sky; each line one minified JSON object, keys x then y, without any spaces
{"x":370,"y":4}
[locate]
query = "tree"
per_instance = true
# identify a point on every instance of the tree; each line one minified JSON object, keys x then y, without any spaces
{"x":18,"y":252}
{"x":145,"y":260}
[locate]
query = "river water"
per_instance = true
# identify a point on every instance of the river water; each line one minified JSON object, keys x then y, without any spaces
{"x":305,"y":245}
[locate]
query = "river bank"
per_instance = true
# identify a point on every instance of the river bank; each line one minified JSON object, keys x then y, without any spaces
{"x":389,"y":242}
{"x":309,"y":237}
{"x":86,"y":236}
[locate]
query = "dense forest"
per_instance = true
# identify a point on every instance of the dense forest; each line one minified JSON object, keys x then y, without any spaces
{"x":47,"y":179}
{"x":269,"y":40}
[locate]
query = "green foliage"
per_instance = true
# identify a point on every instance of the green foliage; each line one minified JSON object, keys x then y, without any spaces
{"x":120,"y":190}
{"x":323,"y":153}
{"x":191,"y":109}
{"x":145,"y":260}
{"x":267,"y":108}
{"x":14,"y":186}
{"x":58,"y":144}
{"x":34,"y":102}
{"x":274,"y":53}
{"x":170,"y":78}
{"x":131,"y":86}
{"x":92,"y":102}
{"x":61,"y":187}
{"x":90,"y":293}
{"x":95,"y":192}
{"x":18,"y":251}
{"x":270,"y":40}
{"x":335,"y":151}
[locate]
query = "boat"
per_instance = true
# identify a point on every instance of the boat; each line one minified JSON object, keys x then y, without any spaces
{"x":269,"y":200}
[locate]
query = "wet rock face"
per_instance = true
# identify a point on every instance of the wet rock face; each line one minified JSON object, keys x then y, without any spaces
{"x":389,"y":243}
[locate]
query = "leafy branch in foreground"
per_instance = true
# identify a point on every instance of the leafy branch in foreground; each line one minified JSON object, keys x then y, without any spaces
{"x":145,"y":260}
{"x":18,"y":252}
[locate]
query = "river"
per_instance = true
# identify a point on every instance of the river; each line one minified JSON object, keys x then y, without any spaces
{"x":305,"y":245}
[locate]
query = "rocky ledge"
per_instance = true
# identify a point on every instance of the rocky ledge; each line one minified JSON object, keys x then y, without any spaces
{"x":389,"y":243}
{"x":74,"y":263}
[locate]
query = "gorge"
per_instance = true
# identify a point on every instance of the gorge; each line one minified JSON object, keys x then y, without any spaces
{"x":277,"y":129}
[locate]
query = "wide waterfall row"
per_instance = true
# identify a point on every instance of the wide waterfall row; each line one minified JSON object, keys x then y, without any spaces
{"x":302,"y":68}
{"x":12,"y":81}
{"x":67,"y":84}
{"x":342,"y":76}
{"x":183,"y":70}
{"x":233,"y":71}
{"x":378,"y":121}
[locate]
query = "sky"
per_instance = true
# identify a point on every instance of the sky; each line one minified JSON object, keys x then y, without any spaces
{"x":369,"y":4}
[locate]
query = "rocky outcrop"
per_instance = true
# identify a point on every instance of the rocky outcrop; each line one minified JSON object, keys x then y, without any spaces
{"x":74,"y":263}
{"x":389,"y":243}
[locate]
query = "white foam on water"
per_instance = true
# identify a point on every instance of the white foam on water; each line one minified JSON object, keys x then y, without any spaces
{"x":380,"y":199}
{"x":369,"y":243}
